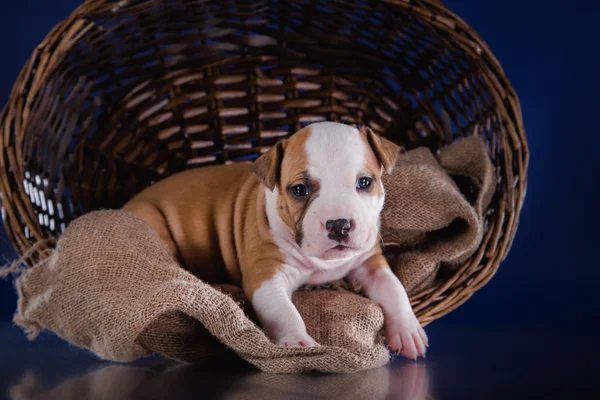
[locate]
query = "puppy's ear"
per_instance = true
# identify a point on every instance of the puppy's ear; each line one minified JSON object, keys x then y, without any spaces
{"x":385,"y":150}
{"x":267,"y":167}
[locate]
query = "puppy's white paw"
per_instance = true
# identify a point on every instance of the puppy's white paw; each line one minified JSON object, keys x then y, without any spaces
{"x":405,"y":336}
{"x":297,"y":340}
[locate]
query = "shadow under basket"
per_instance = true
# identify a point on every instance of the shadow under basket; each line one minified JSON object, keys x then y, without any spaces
{"x":125,"y":93}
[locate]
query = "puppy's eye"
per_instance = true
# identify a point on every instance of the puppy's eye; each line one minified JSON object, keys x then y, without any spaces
{"x":299,"y":190}
{"x":364,"y":183}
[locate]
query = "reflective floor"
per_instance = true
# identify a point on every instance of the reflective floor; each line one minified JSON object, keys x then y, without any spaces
{"x":474,"y":363}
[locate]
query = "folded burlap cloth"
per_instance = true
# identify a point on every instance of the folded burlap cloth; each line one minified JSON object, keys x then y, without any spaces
{"x":433,"y":215}
{"x":111,"y":285}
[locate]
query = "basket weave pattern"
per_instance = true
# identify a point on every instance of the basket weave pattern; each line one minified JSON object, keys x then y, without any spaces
{"x":124,"y":93}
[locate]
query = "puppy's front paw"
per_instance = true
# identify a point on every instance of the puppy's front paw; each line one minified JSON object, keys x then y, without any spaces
{"x":405,"y":336}
{"x":297,"y":340}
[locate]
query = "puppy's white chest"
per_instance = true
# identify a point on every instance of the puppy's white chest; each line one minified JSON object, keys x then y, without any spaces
{"x":331,"y":274}
{"x":315,"y":271}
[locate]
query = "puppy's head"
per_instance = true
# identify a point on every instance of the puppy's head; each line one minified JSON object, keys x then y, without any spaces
{"x":326,"y":188}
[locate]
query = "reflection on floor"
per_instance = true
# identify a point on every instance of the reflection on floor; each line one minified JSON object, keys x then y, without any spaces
{"x":463,"y":362}
{"x":174,"y":381}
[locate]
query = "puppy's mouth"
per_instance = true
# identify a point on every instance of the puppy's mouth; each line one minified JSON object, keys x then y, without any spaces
{"x":340,"y":247}
{"x":338,"y":253}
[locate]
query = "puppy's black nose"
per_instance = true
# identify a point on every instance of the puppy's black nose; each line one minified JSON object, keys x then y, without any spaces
{"x":338,"y":229}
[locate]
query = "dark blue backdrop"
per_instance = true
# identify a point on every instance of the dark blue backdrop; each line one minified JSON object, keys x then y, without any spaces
{"x":549,"y":50}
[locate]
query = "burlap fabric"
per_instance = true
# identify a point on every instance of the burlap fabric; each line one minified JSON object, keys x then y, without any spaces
{"x":111,"y":285}
{"x":434,"y":210}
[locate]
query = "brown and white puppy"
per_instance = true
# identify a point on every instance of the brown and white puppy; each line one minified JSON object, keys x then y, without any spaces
{"x":312,"y":216}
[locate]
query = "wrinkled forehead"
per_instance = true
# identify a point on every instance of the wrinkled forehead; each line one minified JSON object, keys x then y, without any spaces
{"x":329,"y":152}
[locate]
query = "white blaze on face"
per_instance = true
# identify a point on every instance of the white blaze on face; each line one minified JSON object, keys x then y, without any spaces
{"x":336,"y":156}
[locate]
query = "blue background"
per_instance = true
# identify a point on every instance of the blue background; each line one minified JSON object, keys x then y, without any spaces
{"x":549,"y":50}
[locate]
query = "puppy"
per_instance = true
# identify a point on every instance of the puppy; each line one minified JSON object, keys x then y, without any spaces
{"x":305,"y":212}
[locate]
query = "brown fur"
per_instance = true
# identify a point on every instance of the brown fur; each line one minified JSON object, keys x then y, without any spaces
{"x":376,"y":261}
{"x":214,"y":220}
{"x":267,"y":168}
{"x":294,"y":164}
{"x":373,"y":165}
{"x":385,"y":150}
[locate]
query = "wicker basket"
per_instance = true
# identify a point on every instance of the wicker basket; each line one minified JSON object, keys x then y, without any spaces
{"x":122,"y":94}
